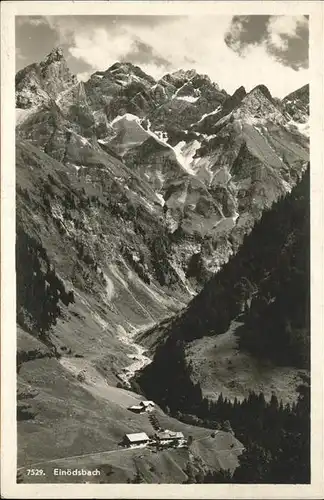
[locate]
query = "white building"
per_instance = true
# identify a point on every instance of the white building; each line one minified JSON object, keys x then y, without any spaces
{"x":171,"y":437}
{"x":136,"y":440}
{"x":147,"y":405}
{"x":143,"y":406}
{"x":136,"y":408}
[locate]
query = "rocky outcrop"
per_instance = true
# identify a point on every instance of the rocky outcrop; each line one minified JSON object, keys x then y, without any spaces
{"x":191,"y":96}
{"x":39,"y":83}
{"x":296,"y":104}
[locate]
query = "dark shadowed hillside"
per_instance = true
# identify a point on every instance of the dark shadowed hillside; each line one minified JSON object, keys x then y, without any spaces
{"x":261,"y":298}
{"x":266,"y":284}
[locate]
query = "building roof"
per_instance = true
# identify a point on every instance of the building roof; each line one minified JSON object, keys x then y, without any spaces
{"x":147,"y":403}
{"x":137,"y":436}
{"x":170,"y":435}
{"x":135,"y":407}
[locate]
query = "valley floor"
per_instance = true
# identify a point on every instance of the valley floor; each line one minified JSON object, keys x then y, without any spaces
{"x":77,"y":417}
{"x":79,"y":422}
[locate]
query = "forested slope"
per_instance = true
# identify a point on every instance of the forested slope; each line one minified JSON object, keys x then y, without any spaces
{"x":266,"y":286}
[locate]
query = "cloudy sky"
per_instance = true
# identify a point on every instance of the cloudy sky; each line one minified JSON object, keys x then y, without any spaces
{"x":233,"y":51}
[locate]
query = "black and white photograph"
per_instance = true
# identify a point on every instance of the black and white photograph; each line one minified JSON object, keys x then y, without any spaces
{"x":162,"y":253}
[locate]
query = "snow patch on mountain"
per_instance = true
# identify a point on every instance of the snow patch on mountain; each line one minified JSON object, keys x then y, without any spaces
{"x":178,"y":269}
{"x":209,"y":114}
{"x":78,"y":167}
{"x":185,"y":152}
{"x":159,"y":138}
{"x":160,"y":177}
{"x":188,"y":98}
{"x":160,"y":198}
{"x":171,"y":223}
{"x":121,"y":82}
{"x":209,"y":137}
{"x":303,"y":128}
{"x":110,"y":289}
{"x":162,"y":135}
{"x":128,"y":117}
{"x":84,"y":141}
{"x":202,"y":168}
{"x":118,"y":275}
{"x":22,"y":114}
{"x":235,"y":216}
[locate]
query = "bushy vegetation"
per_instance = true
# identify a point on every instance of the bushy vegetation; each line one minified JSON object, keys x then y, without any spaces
{"x":160,"y":248}
{"x":276,"y":440}
{"x":39,"y":289}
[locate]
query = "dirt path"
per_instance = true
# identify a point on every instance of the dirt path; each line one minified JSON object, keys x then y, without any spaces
{"x":54,"y":460}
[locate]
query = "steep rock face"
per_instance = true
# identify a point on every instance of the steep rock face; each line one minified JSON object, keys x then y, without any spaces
{"x":39,"y":83}
{"x":213,"y":161}
{"x":191,"y":95}
{"x":280,"y":254}
{"x":123,"y":88}
{"x":250,"y":156}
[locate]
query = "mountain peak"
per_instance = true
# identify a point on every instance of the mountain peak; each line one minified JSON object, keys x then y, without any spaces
{"x":240,"y":92}
{"x":127,"y":68}
{"x":296,"y":104}
{"x":122,"y":65}
{"x":264,"y":90}
{"x":301,"y":92}
{"x":42,"y":82}
{"x":55,"y":55}
{"x":184,"y":73}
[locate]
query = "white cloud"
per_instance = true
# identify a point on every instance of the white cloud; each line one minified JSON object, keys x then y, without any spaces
{"x":281,"y":27}
{"x":37,"y":21}
{"x":198,"y":39}
{"x":83,"y":77}
{"x":32,"y":21}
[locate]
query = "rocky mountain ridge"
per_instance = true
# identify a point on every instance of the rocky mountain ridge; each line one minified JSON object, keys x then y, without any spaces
{"x":190,"y":141}
{"x":37,"y":84}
